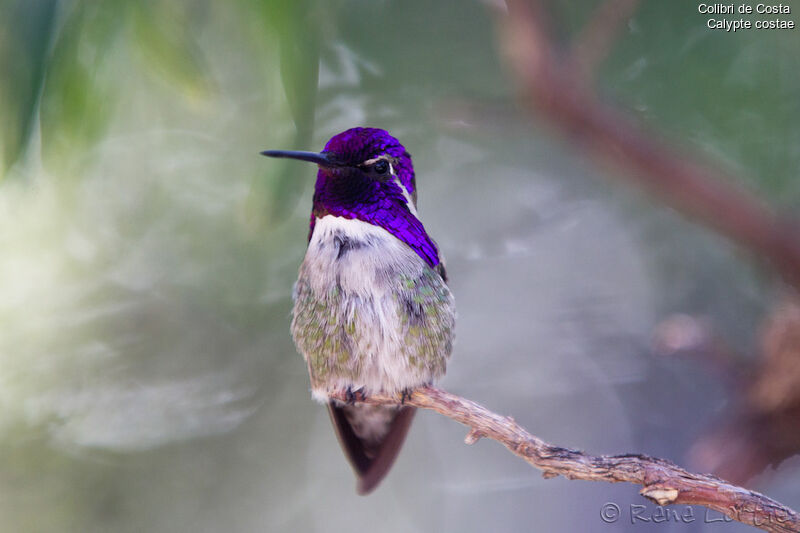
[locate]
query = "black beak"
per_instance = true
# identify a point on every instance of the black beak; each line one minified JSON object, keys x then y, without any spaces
{"x":321,"y":159}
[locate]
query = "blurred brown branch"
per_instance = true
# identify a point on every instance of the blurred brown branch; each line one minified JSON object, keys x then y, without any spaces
{"x":551,"y":85}
{"x":663,"y":482}
{"x":762,"y":425}
{"x":597,"y":38}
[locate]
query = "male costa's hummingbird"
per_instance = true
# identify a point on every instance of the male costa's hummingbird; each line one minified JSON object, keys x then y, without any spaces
{"x":372,"y":310}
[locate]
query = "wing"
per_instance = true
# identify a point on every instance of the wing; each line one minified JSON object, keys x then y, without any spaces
{"x":441,"y":270}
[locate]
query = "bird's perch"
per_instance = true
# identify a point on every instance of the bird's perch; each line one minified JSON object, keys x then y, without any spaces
{"x":662,"y":481}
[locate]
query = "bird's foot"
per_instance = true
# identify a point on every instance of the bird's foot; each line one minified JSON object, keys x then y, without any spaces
{"x":349,"y":395}
{"x":405,"y":394}
{"x":352,"y":396}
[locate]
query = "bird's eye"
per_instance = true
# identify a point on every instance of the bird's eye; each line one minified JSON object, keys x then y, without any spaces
{"x":381,"y":167}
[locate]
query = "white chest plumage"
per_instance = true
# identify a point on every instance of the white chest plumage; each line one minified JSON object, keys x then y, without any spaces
{"x":369,"y":312}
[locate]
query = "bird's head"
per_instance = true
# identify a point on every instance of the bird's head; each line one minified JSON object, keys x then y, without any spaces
{"x":366,"y":174}
{"x":359,"y":153}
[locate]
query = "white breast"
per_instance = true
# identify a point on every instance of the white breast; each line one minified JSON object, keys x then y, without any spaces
{"x":362,"y":258}
{"x":366,"y":264}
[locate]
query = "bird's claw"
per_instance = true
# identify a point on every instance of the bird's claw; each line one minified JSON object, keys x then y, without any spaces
{"x":352,"y":396}
{"x":405,"y":394}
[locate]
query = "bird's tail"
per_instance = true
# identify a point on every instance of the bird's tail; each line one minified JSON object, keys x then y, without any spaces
{"x":371,"y":437}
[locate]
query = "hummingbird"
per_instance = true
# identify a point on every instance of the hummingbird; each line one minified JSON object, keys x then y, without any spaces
{"x":372,"y":309}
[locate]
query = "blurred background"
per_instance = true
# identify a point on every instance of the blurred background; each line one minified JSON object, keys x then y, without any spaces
{"x":148,"y":381}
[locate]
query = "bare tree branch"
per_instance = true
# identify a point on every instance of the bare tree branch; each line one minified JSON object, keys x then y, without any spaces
{"x":555,"y":90}
{"x":663,"y":482}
